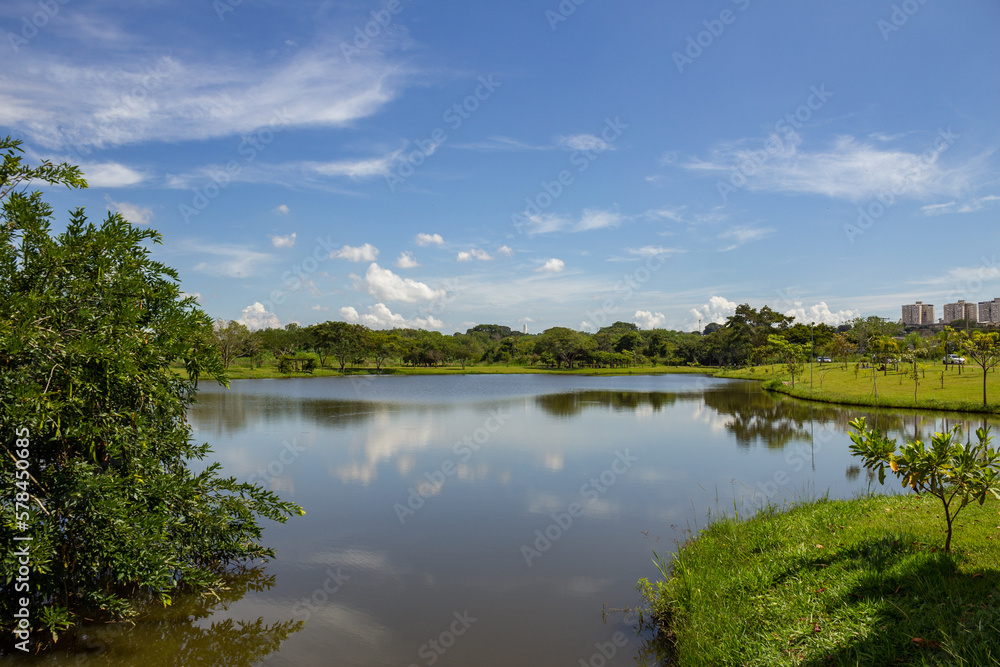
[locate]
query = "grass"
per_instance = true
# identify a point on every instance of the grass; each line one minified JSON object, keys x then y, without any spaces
{"x":939,"y":387}
{"x":853,"y":582}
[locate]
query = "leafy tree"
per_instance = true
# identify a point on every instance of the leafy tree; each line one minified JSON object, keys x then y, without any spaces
{"x":231,"y":338}
{"x":984,"y":350}
{"x":948,"y":470}
{"x":342,"y":340}
{"x":89,"y":325}
{"x":565,"y":345}
{"x":383,"y":345}
{"x":792,"y":354}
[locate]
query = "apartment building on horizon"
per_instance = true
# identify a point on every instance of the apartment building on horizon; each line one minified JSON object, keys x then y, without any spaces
{"x":962,"y":310}
{"x":989,"y":311}
{"x":918,"y":314}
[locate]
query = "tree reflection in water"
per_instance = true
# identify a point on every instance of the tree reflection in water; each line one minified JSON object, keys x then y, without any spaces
{"x":178,"y":634}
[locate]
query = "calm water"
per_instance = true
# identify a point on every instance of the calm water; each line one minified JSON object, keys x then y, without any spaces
{"x":482,"y":520}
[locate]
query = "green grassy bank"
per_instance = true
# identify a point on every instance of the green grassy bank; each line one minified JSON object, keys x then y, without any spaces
{"x":937,"y":387}
{"x":856,"y":582}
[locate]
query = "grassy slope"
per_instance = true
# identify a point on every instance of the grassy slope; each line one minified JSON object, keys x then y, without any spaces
{"x":834,"y":384}
{"x":858,"y":582}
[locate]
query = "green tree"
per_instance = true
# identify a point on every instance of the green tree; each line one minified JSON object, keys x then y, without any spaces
{"x":89,"y":325}
{"x":231,"y":340}
{"x":984,"y":350}
{"x":565,"y":345}
{"x":948,"y":470}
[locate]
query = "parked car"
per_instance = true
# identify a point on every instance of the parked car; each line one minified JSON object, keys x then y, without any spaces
{"x":953,"y":359}
{"x":824,"y":360}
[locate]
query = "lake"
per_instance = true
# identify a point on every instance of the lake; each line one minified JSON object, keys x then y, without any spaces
{"x":484,"y":520}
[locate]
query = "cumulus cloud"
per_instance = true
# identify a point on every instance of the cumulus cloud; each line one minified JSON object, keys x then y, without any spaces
{"x":429,"y":239}
{"x":256,"y":317}
{"x":283,"y":241}
{"x":552,"y":266}
{"x":645,"y":319}
{"x":505,"y":251}
{"x":365,"y":253}
{"x":821,"y":314}
{"x":406,"y":261}
{"x":110,"y":175}
{"x":717,"y":310}
{"x":380,"y":317}
{"x":597,"y":219}
{"x":282,"y":209}
{"x":135,"y":214}
{"x":385,"y":285}
{"x":475,"y":253}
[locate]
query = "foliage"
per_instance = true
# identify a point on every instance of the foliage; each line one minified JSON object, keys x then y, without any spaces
{"x":954,"y":473}
{"x":89,"y":324}
{"x":984,"y":350}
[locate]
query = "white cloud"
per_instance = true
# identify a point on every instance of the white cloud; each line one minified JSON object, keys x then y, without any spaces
{"x":406,"y":261}
{"x":584,"y":142}
{"x":429,"y":239}
{"x":653,"y":251}
{"x":971,"y":206}
{"x":741,"y":235}
{"x":108,"y":174}
{"x":963,"y":277}
{"x":61,"y":103}
{"x":233,"y":261}
{"x":385,"y":285}
{"x":256,"y":317}
{"x":544,"y":223}
{"x":320,"y":308}
{"x":505,"y":251}
{"x":135,"y":214}
{"x":380,"y":317}
{"x":821,"y":314}
{"x":597,"y":219}
{"x":282,"y":209}
{"x":365,"y":253}
{"x":848,"y":169}
{"x":645,"y":319}
{"x":717,"y":310}
{"x":552,"y":266}
{"x":283,"y":241}
{"x":354,"y":169}
{"x":475,"y":253}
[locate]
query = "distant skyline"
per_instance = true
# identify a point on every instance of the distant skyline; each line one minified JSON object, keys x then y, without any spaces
{"x":574,"y":163}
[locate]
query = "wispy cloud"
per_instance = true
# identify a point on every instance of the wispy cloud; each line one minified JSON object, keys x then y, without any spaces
{"x":970,"y":206}
{"x":231,"y":261}
{"x":848,"y":169}
{"x":137,"y":215}
{"x":61,"y":104}
{"x":741,"y":235}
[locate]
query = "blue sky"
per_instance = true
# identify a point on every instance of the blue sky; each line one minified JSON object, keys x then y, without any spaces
{"x":442,"y":164}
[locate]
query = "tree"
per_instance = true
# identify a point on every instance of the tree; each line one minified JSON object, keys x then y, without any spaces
{"x":383,"y":345}
{"x":565,"y":345}
{"x":231,"y":339}
{"x":949,"y":470}
{"x":343,"y":341}
{"x":89,"y":325}
{"x":984,"y":350}
{"x":792,"y":354}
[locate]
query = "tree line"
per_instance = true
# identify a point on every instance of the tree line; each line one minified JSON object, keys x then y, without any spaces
{"x":749,"y":337}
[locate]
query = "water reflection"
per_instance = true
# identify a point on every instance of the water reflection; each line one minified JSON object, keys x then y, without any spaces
{"x":182,"y":633}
